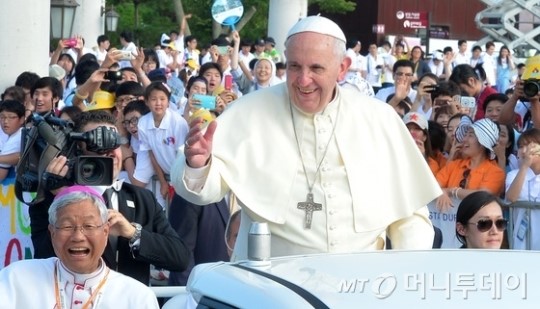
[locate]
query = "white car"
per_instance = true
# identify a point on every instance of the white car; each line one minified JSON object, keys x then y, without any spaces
{"x":383,"y":279}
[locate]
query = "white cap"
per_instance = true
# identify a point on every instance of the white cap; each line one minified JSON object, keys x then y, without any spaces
{"x":414,"y":117}
{"x":165,"y":40}
{"x":318,"y":24}
{"x":438,"y":55}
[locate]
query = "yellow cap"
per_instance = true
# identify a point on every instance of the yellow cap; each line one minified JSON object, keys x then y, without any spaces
{"x":192,"y":64}
{"x":101,"y":100}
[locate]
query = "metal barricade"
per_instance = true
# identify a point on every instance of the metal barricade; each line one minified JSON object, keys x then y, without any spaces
{"x":528,"y":206}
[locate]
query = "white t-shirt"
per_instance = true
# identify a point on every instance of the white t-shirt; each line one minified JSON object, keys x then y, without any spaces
{"x":11,"y":145}
{"x":462,"y":58}
{"x":374,"y":74}
{"x":246,"y":58}
{"x":389,"y":60}
{"x":164,"y":59}
{"x":164,"y":140}
{"x":529,"y":192}
{"x":436,"y":69}
{"x":490,"y":66}
{"x":100,"y":55}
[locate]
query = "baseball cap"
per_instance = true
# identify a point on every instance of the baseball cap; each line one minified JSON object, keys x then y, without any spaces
{"x":270,"y":40}
{"x":438,"y":55}
{"x":418,"y":119}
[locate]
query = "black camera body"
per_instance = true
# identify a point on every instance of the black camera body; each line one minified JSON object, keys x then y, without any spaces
{"x":531,"y":87}
{"x":113,"y":76}
{"x":50,"y":137}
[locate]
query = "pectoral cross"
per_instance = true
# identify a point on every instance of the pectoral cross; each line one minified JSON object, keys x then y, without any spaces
{"x":309,"y":206}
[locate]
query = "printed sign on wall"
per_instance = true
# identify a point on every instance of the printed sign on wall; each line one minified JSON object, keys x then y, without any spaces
{"x":15,"y":242}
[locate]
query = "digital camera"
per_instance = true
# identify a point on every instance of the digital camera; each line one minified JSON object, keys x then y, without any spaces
{"x":70,"y":43}
{"x":531,"y":87}
{"x":531,"y":77}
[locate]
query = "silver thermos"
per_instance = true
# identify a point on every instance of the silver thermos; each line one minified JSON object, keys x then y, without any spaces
{"x":259,"y":244}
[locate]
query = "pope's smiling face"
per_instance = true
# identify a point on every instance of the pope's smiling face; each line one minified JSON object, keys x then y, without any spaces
{"x":79,"y":250}
{"x":313,"y":69}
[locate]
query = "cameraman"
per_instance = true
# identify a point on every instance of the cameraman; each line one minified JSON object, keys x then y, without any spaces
{"x":140,"y":234}
{"x":46,"y":93}
{"x":527,"y":108}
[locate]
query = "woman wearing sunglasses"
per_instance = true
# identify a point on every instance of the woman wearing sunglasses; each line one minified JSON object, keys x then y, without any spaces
{"x":479,"y":221}
{"x":476,"y":170}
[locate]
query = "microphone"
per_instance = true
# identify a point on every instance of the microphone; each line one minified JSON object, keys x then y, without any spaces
{"x":50,"y":118}
{"x":47,"y":132}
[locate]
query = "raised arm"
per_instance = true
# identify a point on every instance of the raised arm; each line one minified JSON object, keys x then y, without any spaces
{"x":507,"y":113}
{"x":183,"y":25}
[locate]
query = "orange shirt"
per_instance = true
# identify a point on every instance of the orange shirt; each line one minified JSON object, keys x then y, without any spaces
{"x":488,"y":175}
{"x":433,"y":166}
{"x":440,"y":158}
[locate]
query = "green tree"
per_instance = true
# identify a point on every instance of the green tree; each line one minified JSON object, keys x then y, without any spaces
{"x":156,"y":17}
{"x":334,"y":6}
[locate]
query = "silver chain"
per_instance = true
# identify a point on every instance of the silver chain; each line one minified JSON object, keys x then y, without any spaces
{"x":310,"y":186}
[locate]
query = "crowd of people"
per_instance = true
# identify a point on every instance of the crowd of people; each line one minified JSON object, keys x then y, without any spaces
{"x":304,"y":146}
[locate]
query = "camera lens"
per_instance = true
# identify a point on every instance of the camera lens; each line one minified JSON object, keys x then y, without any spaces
{"x":531,"y":88}
{"x":91,"y":171}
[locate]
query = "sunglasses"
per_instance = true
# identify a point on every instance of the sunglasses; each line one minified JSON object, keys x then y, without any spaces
{"x":485,"y":225}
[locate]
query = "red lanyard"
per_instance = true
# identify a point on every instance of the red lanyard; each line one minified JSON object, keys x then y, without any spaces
{"x":59,"y":303}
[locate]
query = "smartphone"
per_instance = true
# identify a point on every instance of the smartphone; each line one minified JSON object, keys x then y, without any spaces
{"x":431,"y":88}
{"x":228,"y":82}
{"x":126,"y":55}
{"x":205,"y":101}
{"x":113,"y":75}
{"x":468,"y":102}
{"x":70,"y":43}
{"x":223,"y":50}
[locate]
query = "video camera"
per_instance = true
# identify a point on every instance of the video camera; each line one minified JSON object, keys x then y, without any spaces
{"x":50,"y":137}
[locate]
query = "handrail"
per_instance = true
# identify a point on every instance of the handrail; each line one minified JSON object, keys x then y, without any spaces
{"x":523,"y":204}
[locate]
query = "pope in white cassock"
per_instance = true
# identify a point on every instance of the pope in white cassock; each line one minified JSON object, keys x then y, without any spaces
{"x":78,"y":278}
{"x":329,"y":169}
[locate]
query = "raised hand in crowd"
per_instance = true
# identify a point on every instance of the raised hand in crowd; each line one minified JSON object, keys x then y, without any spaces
{"x":137,"y":64}
{"x":455,"y":151}
{"x":113,"y":56}
{"x":198,"y":145}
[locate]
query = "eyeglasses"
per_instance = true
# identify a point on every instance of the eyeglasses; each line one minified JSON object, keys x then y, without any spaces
{"x":404,"y":74}
{"x":86,"y":229}
{"x":463,"y":181}
{"x":133,"y":121}
{"x":485,"y":225}
{"x":126,"y":100}
{"x":10,"y":118}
